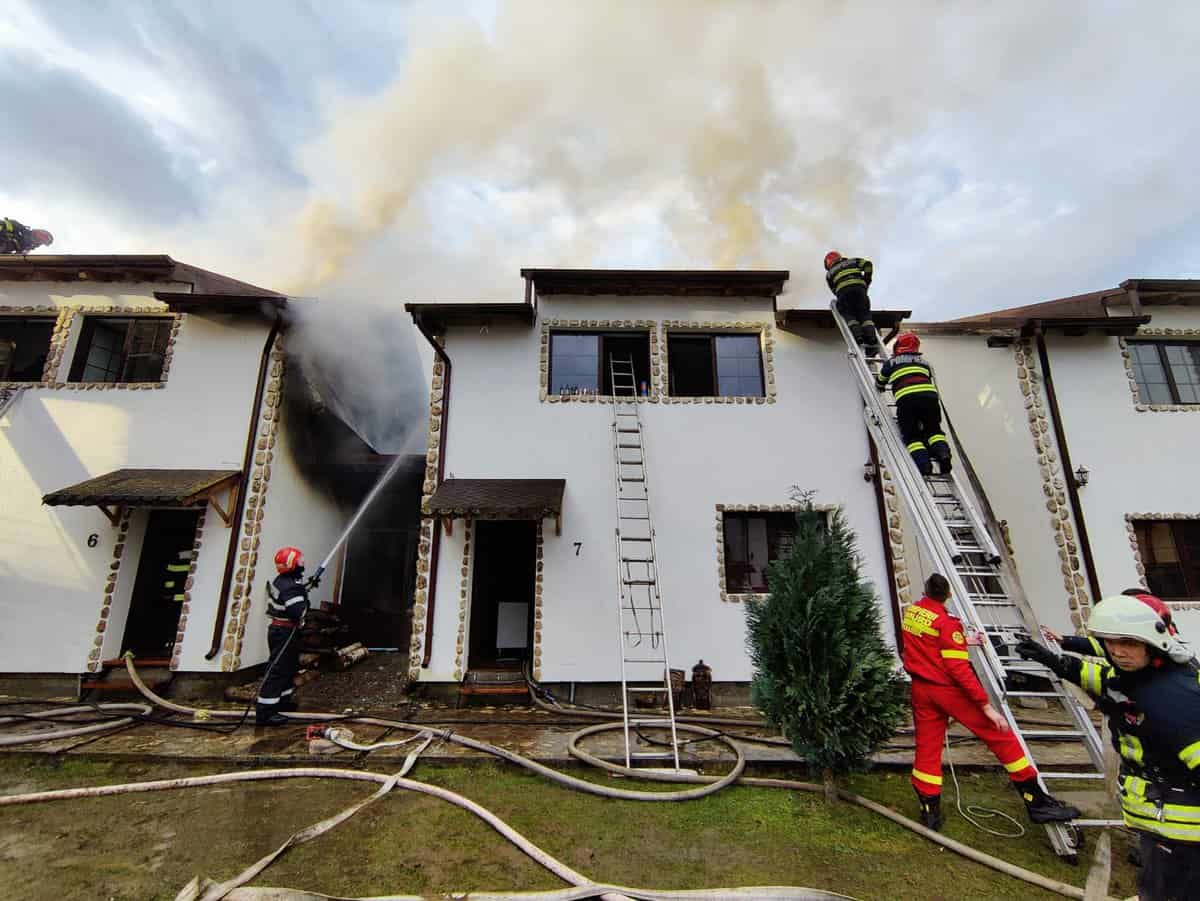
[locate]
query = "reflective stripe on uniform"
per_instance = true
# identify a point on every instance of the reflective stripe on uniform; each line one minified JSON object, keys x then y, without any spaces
{"x":1176,"y":821}
{"x":1096,"y":646}
{"x":262,"y":700}
{"x":926,"y":777}
{"x":170,"y":584}
{"x":179,"y":597}
{"x":1191,"y":755}
{"x":1090,"y":672}
{"x":939,"y":438}
{"x":1021,"y":763}
{"x":926,"y":388}
{"x":299,"y":600}
{"x":177,"y":567}
{"x":916,"y":446}
{"x":1131,"y":748}
{"x":956,"y":655}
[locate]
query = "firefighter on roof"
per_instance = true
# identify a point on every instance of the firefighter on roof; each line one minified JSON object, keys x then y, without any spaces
{"x":849,"y":278}
{"x":918,"y":410}
{"x":1147,"y":685}
{"x":287,"y":602}
{"x":18,"y":238}
{"x":945,"y":686}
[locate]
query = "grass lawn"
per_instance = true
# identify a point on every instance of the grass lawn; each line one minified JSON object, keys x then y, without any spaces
{"x":149,"y":846}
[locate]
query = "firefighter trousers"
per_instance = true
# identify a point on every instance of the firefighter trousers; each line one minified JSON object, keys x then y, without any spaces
{"x":933,"y":705}
{"x":920,"y":419}
{"x":855,"y":306}
{"x":1170,"y":870}
{"x":275,"y":693}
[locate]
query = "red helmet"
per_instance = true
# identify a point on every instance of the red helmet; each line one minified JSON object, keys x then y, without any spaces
{"x":1155,"y":604}
{"x":908,"y":343}
{"x":830,"y":258}
{"x":288,"y":559}
{"x":43,"y":237}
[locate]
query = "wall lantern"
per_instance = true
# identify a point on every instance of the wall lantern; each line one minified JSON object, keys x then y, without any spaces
{"x":868,"y":471}
{"x":1082,"y":476}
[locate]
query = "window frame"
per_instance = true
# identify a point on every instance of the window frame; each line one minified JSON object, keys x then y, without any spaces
{"x":1187,"y":561}
{"x":1160,"y":347}
{"x":24,"y":319}
{"x":603,"y":334}
{"x":737,"y":596}
{"x":711,"y":336}
{"x":83,"y":348}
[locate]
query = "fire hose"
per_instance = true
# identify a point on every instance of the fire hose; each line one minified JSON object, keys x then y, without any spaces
{"x":706,"y":785}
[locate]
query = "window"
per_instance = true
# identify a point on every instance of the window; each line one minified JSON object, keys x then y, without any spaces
{"x":580,"y":361}
{"x":715,"y":365}
{"x":1170,"y":552}
{"x":121,"y":350}
{"x":1166,"y":372}
{"x":753,"y":541}
{"x":24,"y":347}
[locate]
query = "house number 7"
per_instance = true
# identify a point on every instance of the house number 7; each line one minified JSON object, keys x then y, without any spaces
{"x":578,"y":545}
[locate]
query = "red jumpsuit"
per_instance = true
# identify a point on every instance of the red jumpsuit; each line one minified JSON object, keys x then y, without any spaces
{"x":944,"y":686}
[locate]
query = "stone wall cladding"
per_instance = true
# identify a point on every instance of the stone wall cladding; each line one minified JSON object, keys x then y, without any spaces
{"x":416,"y":645}
{"x":110,"y":585}
{"x":766,"y":335}
{"x":1053,"y":486}
{"x":62,"y":333}
{"x":464,"y":602}
{"x":1138,"y":404}
{"x":895,"y":539}
{"x":722,"y":509}
{"x":187,"y":591}
{"x":1137,"y":551}
{"x":537,"y":602}
{"x":607,"y":325}
{"x":255,"y":499}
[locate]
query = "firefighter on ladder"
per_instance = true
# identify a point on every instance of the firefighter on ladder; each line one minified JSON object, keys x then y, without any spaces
{"x":1148,"y":685}
{"x":849,"y":278}
{"x":918,"y":409}
{"x":287,"y":602}
{"x":945,"y":686}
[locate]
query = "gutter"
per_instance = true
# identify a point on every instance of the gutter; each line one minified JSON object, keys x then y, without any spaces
{"x":235,"y":525}
{"x":1064,"y":453}
{"x":436,"y":541}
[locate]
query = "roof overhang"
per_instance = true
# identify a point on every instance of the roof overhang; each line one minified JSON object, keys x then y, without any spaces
{"x":498,"y":499}
{"x":823,"y":318}
{"x":1001,"y":331}
{"x":659,"y":282}
{"x":237,"y":304}
{"x":128,"y":268}
{"x":440,"y":315}
{"x":1164,"y":291}
{"x":123,"y":488}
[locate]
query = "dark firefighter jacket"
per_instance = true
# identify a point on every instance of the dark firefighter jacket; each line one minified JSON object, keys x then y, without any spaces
{"x":906,"y":374}
{"x":1154,"y":715}
{"x":849,"y":272}
{"x":287,"y":597}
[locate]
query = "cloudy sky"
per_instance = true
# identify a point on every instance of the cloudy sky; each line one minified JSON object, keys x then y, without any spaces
{"x":984,"y":155}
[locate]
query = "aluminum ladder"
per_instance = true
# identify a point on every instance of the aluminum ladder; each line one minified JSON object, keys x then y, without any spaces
{"x":642,"y":631}
{"x":985,"y":591}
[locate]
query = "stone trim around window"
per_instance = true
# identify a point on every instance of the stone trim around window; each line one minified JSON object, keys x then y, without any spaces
{"x":256,"y":501}
{"x":464,"y":602}
{"x":766,"y":344}
{"x":1126,"y":357}
{"x":110,"y":586}
{"x":1131,"y":533}
{"x":62,"y":332}
{"x":590,"y":325}
{"x":722,"y":509}
{"x":1053,"y":486}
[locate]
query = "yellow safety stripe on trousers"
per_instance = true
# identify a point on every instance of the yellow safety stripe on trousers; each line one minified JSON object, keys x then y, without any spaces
{"x":956,"y":655}
{"x":916,"y":446}
{"x":1131,"y":748}
{"x":926,"y":777}
{"x":1017,"y":765}
{"x":1090,"y":673}
{"x":1191,"y":755}
{"x":939,"y":438}
{"x":177,"y":567}
{"x":927,"y":388}
{"x":179,"y":597}
{"x":170,"y":584}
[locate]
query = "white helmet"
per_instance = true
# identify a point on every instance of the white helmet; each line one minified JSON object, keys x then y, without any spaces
{"x":1123,"y":616}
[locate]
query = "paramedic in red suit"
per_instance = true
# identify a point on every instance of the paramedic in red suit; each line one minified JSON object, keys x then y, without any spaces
{"x":945,"y":686}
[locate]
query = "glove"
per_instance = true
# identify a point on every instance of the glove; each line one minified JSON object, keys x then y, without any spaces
{"x":314,"y":582}
{"x":1031,"y":650}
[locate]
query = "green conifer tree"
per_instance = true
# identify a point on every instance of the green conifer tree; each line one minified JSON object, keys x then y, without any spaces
{"x":822,"y":670}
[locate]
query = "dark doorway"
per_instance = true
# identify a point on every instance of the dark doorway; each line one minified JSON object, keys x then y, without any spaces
{"x":376,"y":592}
{"x":158,"y":590}
{"x":502,"y":594}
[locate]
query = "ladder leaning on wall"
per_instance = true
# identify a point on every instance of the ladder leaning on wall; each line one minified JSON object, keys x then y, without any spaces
{"x":645,"y":666}
{"x":986,"y":593}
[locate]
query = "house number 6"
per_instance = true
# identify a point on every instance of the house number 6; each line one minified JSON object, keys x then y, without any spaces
{"x":93,"y":540}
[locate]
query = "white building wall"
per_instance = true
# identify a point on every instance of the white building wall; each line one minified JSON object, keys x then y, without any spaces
{"x":699,"y":455}
{"x":51,"y":581}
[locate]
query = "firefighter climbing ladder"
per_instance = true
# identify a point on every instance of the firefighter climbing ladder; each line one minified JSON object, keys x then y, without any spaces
{"x":986,"y":594}
{"x":643,"y":632}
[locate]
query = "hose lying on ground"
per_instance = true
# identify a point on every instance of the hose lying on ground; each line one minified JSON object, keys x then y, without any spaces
{"x":55,"y":715}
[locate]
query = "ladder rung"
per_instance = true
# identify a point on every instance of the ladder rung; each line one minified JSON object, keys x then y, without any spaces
{"x":637,"y":582}
{"x":659,"y":660}
{"x":652,"y":755}
{"x":1051,"y":733}
{"x":1045,"y":775}
{"x":1032,"y":694}
{"x":632,"y":538}
{"x":655,"y":721}
{"x":637,"y":559}
{"x":1101,"y":824}
{"x":635,"y":519}
{"x":633,"y":479}
{"x":629,"y":431}
{"x":630,"y":445}
{"x":646,"y":689}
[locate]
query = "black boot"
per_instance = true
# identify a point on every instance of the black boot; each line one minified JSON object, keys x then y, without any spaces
{"x":931,"y":811}
{"x":940,"y":452}
{"x":1044,"y":808}
{"x":870,"y":339}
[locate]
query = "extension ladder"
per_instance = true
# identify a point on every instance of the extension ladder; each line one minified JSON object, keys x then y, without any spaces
{"x":642,"y":629}
{"x":985,"y":591}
